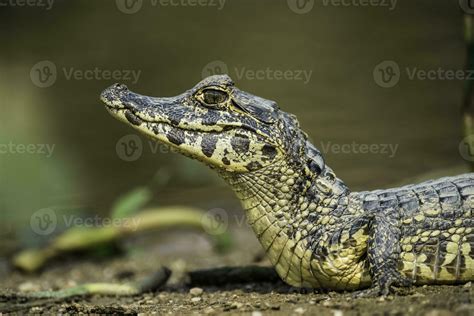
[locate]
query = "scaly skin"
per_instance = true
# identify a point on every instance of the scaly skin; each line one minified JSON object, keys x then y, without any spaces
{"x":316,"y":232}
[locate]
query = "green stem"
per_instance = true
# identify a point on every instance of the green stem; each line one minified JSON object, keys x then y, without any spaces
{"x":80,"y":238}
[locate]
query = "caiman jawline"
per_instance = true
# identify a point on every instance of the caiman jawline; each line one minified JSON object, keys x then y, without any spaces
{"x":135,"y":119}
{"x":132,"y":118}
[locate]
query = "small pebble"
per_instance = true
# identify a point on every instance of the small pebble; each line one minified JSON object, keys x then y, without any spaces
{"x":328,"y":303}
{"x":209,"y":310}
{"x":418,"y":294}
{"x":248,"y":287}
{"x":196,"y":299}
{"x":439,"y":312}
{"x":28,"y":287}
{"x":300,"y":310}
{"x":196,"y":291}
{"x":272,"y":306}
{"x":162,"y":296}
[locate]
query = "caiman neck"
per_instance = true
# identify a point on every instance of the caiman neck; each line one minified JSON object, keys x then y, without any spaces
{"x":286,"y":203}
{"x":290,"y":190}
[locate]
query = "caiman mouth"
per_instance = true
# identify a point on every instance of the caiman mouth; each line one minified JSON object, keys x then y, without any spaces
{"x":227,"y":128}
{"x":137,"y":109}
{"x":128,"y":116}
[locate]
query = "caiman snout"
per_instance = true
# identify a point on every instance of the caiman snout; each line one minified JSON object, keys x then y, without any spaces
{"x":114,"y":94}
{"x":118,"y":96}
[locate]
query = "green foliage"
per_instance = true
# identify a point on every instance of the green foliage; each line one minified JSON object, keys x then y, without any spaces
{"x":131,"y":202}
{"x":223,"y":242}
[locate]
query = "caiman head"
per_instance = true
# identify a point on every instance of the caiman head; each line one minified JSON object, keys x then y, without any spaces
{"x":280,"y":178}
{"x":214,"y":122}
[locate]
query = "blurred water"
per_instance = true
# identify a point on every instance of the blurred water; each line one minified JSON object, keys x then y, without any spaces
{"x":168,"y":48}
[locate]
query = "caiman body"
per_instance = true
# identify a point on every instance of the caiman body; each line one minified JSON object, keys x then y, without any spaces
{"x":315,"y":231}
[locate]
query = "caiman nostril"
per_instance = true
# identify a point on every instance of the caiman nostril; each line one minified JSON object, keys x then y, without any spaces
{"x":119,"y":87}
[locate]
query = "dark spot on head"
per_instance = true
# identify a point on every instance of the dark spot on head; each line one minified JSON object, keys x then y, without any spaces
{"x":211,"y":118}
{"x":241,"y":135}
{"x":269,"y":151}
{"x":176,"y":136}
{"x":328,"y":175}
{"x":314,"y":167}
{"x":240,"y":145}
{"x":225,"y":161}
{"x":208,"y":145}
{"x":350,"y":243}
{"x":208,"y":123}
{"x":253,"y":166}
{"x":313,"y":217}
{"x":191,"y":138}
{"x":176,"y":117}
{"x":132,"y":118}
{"x":324,"y":252}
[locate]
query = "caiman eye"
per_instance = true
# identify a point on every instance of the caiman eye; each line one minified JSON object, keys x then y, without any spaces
{"x":213,"y":96}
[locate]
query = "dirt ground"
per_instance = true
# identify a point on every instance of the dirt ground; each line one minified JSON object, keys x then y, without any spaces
{"x":264,"y":299}
{"x":187,"y":251}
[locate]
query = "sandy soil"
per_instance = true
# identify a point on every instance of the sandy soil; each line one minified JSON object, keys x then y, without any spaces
{"x":141,"y":259}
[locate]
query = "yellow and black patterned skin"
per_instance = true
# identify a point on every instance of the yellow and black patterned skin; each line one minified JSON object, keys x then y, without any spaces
{"x":315,"y":231}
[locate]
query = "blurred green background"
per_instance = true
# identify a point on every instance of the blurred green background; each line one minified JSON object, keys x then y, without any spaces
{"x":171,"y":47}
